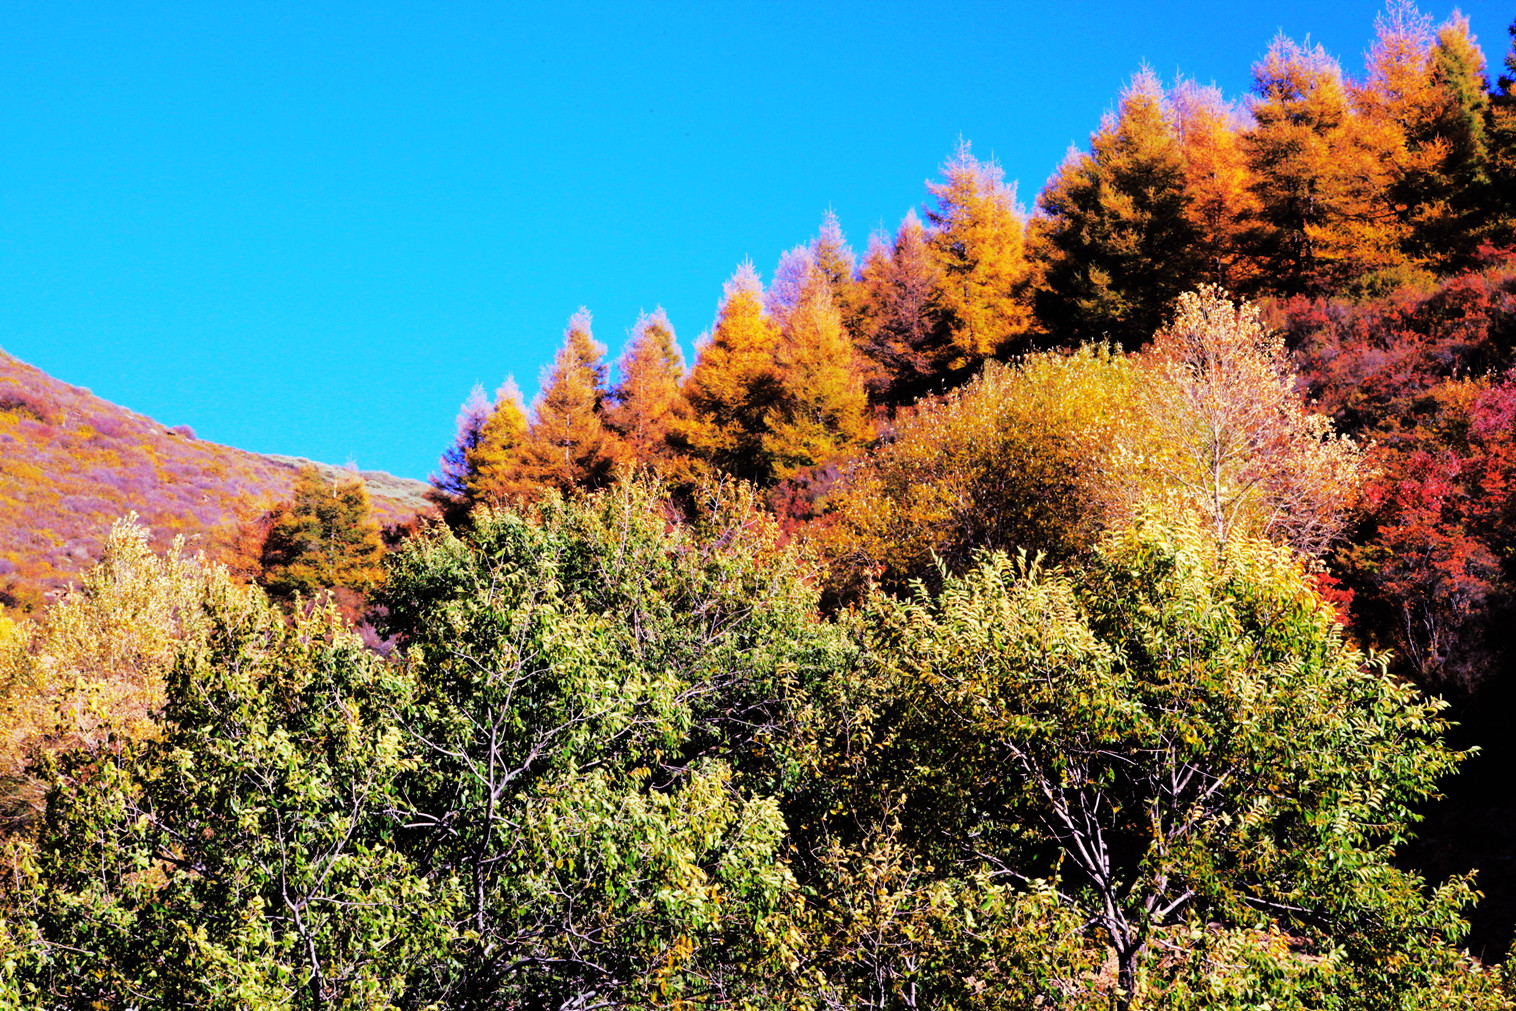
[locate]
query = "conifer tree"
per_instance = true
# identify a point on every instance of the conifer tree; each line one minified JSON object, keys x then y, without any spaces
{"x":1120,"y":243}
{"x":977,"y":245}
{"x":733,"y":384}
{"x":497,"y":472}
{"x":1502,"y":151}
{"x":1323,"y":184}
{"x":567,"y":445}
{"x":834,"y":258}
{"x":820,"y":406}
{"x":648,"y":408}
{"x":450,"y":482}
{"x":1219,"y":202}
{"x":324,"y":538}
{"x":1450,"y":239}
{"x":899,"y":331}
{"x":791,"y":276}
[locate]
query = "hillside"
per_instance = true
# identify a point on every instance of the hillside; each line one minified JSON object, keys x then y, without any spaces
{"x":71,"y":462}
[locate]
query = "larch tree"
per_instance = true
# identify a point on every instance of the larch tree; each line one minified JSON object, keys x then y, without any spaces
{"x":820,"y":407}
{"x":497,"y":473}
{"x":324,"y":538}
{"x":1220,"y":204}
{"x":1323,"y":184}
{"x":898,"y":327}
{"x":648,"y":409}
{"x":567,"y":445}
{"x":834,"y":258}
{"x":450,"y":482}
{"x":791,"y":276}
{"x":978,"y":245}
{"x":1449,"y":240}
{"x":1120,"y":243}
{"x":1502,"y":149}
{"x":733,"y":383}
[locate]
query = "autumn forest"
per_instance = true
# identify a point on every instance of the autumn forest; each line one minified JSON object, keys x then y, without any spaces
{"x":1098,"y":603}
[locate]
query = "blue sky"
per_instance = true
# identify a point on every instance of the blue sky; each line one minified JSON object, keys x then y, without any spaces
{"x":310,"y":228}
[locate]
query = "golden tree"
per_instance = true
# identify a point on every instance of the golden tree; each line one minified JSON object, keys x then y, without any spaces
{"x":1223,"y":434}
{"x":820,"y":407}
{"x":567,"y":445}
{"x":978,"y":247}
{"x":1323,"y":183}
{"x":648,"y":409}
{"x":1219,"y":201}
{"x":496,"y":470}
{"x":733,"y":384}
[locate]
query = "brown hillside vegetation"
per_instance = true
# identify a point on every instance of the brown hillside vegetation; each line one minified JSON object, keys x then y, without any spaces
{"x":71,"y":463}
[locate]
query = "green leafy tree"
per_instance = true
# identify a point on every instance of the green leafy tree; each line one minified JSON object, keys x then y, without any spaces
{"x":1146,"y":736}
{"x":324,"y":538}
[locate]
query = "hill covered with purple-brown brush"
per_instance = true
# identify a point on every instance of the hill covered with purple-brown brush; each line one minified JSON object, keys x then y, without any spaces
{"x":70,"y":463}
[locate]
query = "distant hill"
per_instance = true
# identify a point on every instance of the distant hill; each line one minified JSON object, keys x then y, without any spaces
{"x":71,"y":463}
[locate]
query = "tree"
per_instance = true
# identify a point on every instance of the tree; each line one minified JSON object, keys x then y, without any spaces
{"x":567,"y":445}
{"x":648,"y":408}
{"x":1502,"y":148}
{"x":1018,"y":458}
{"x":899,"y":331}
{"x":1219,"y":201}
{"x":732,"y":385}
{"x":495,"y":462}
{"x":1224,"y":434}
{"x":1121,"y":241}
{"x":1321,"y":177}
{"x":324,"y":538}
{"x":1155,"y":719}
{"x":819,"y":407}
{"x":451,"y":478}
{"x":977,"y":244}
{"x":834,"y":259}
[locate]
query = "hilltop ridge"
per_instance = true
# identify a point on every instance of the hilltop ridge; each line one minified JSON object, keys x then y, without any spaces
{"x":71,"y":462}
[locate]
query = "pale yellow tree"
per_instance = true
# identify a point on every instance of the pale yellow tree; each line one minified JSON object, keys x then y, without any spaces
{"x":93,"y":666}
{"x":1224,"y":435}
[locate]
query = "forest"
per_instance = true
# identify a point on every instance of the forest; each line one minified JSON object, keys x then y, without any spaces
{"x":1102,"y":604}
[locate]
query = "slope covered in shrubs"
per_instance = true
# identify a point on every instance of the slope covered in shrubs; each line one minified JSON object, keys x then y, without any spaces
{"x":70,"y":463}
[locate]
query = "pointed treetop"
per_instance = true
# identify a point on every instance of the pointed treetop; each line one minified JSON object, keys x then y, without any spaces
{"x":790,"y":278}
{"x":744,"y":281}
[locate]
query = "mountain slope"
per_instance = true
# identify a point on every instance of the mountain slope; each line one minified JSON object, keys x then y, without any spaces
{"x":70,"y":463}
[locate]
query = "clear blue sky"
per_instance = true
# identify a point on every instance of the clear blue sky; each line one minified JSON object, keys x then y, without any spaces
{"x":311,"y":227}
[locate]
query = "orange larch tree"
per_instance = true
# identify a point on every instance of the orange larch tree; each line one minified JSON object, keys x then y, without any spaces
{"x":567,"y":445}
{"x":904,"y":344}
{"x":1220,"y":204}
{"x":820,"y":409}
{"x":978,"y":246}
{"x":648,"y":409}
{"x":733,"y":383}
{"x":1326,"y":220}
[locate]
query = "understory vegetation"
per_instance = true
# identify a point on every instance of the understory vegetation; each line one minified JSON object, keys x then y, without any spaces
{"x":1099,"y":607}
